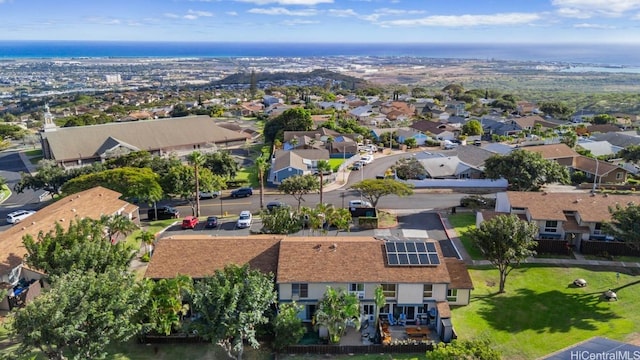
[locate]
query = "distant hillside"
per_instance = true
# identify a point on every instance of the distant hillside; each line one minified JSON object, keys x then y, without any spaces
{"x":315,"y":77}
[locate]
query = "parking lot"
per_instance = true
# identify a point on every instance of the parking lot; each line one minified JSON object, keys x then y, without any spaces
{"x":426,"y":223}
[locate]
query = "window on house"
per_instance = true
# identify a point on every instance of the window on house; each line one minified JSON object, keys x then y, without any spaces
{"x":551,"y":226}
{"x":517,"y":209}
{"x":356,"y":287}
{"x":427,"y":291}
{"x":300,"y":290}
{"x":619,"y":176}
{"x":452,"y":294}
{"x":389,"y":290}
{"x":597,"y":228}
{"x":368,"y":309}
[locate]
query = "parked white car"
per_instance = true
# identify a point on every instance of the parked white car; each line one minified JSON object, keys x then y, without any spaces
{"x":360,"y":204}
{"x":244,"y":221}
{"x":19,"y":215}
{"x":366,"y":159}
{"x":209,"y":194}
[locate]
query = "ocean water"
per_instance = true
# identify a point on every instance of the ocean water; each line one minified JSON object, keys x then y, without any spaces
{"x":598,"y":54}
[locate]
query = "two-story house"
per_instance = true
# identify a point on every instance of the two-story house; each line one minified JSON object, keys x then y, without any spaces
{"x":417,"y":280}
{"x":570,"y":218}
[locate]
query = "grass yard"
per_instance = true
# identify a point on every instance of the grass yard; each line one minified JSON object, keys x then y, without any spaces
{"x":541,"y":312}
{"x":34,"y":152}
{"x":463,"y":223}
{"x":4,"y":192}
{"x":335,"y":164}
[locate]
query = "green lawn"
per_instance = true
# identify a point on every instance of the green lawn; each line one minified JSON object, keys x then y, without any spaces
{"x":34,"y":152}
{"x":4,"y":192}
{"x":463,"y":223}
{"x":541,"y":312}
{"x":335,"y":164}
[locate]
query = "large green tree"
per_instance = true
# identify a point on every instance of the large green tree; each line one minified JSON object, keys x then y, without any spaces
{"x":374,"y":189}
{"x":181,"y":182}
{"x":288,"y":327}
{"x":232,"y":303}
{"x":630,"y":153}
{"x":166,"y":307}
{"x":295,"y":119}
{"x":604,"y":119}
{"x":556,"y":109}
{"x":525,"y":170}
{"x":221,"y":163}
{"x":84,"y":245}
{"x":505,"y":241}
{"x":298,"y":186}
{"x":625,"y":224}
{"x":82,"y":313}
{"x":335,"y":311}
{"x":117,"y":225}
{"x":140,"y":183}
{"x":280,"y":220}
{"x":472,"y":128}
{"x":49,"y":177}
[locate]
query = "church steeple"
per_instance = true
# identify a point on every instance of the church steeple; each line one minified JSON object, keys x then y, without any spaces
{"x":49,"y":125}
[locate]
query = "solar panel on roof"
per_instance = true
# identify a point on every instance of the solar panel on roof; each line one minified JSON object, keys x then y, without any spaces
{"x":411,"y":253}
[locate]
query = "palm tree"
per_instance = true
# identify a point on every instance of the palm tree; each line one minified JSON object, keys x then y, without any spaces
{"x":335,"y":311}
{"x":322,"y":166}
{"x":197,"y":160}
{"x":261,"y":166}
{"x":146,"y":237}
{"x":329,"y":142}
{"x":117,"y":225}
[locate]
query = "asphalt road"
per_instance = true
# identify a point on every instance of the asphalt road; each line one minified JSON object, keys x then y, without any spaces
{"x":10,"y":167}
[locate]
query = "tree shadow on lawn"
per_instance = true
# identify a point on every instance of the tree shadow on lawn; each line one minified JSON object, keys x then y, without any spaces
{"x":547,"y":312}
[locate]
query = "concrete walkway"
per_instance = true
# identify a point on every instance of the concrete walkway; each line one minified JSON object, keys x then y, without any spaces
{"x":578,"y":261}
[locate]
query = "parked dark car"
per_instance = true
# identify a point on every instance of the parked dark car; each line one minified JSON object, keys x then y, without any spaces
{"x":165,"y":212}
{"x":272,"y":205}
{"x":242,"y":192}
{"x":212,"y":222}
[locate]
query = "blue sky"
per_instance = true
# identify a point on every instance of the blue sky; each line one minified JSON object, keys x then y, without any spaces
{"x":370,"y":21}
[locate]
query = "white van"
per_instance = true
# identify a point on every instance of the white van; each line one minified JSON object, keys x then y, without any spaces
{"x":360,"y":204}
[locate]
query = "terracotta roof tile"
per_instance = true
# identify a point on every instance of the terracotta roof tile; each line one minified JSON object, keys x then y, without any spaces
{"x":460,"y":278}
{"x":92,"y":203}
{"x":552,"y":151}
{"x":201,"y":255}
{"x":354,"y":259}
{"x":551,"y":206}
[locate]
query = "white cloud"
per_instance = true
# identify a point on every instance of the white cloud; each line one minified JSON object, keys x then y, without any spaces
{"x":342,"y":12}
{"x":283,"y":11}
{"x":591,"y":8}
{"x":171,"y":15}
{"x":466,"y":20}
{"x":288,"y":2}
{"x":231,"y":13}
{"x":294,"y":22}
{"x":593,"y":26}
{"x":104,"y":21}
{"x":199,"y":13}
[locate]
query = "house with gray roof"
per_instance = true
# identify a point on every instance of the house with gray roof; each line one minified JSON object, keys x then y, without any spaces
{"x":450,"y":167}
{"x":619,"y":139}
{"x":83,"y":145}
{"x":285,"y":164}
{"x":599,"y":148}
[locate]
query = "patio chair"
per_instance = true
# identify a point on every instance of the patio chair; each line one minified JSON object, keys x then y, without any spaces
{"x":392,"y":320}
{"x":402,"y":320}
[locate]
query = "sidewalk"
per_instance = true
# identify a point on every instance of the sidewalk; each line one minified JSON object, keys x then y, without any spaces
{"x":578,"y":261}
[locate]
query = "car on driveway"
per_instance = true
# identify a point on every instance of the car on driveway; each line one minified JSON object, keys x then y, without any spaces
{"x":244,"y":221}
{"x":190,"y":222}
{"x":242,"y":192}
{"x":356,"y":166}
{"x":19,"y":215}
{"x":366,"y":160}
{"x":212,"y":222}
